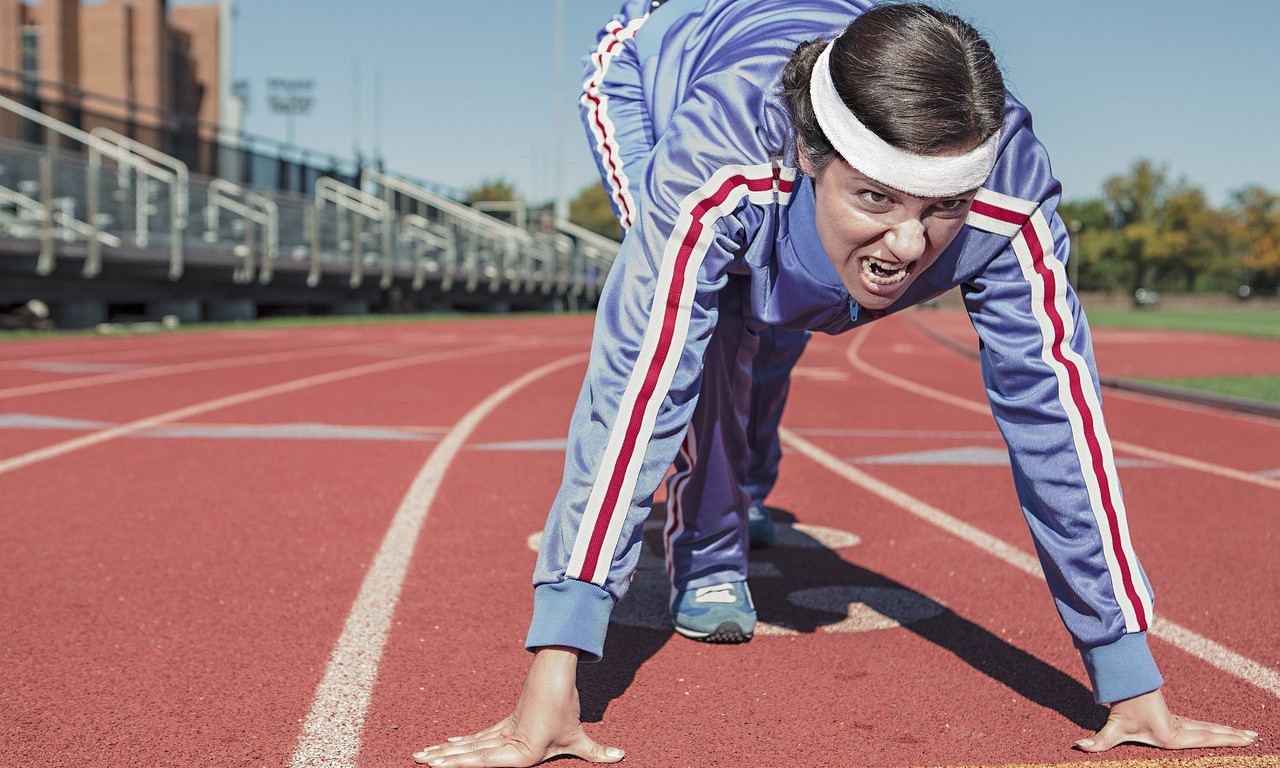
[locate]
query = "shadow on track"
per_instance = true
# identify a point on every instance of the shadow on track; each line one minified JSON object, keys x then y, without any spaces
{"x":815,"y":589}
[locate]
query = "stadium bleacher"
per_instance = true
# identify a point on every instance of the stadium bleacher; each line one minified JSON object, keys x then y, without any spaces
{"x":104,"y":227}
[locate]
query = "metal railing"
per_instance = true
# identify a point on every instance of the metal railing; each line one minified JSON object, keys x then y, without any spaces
{"x":102,"y":188}
{"x":55,"y":211}
{"x":359,"y":205}
{"x":594,"y":254}
{"x":252,"y":208}
{"x":179,"y":196}
{"x":422,"y":234}
{"x":126,"y":162}
{"x":514,"y":253}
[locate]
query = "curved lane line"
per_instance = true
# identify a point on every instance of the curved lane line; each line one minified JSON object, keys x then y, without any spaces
{"x":974,"y":406}
{"x":331,"y":734}
{"x":1202,"y":648}
{"x":98,"y":350}
{"x":102,"y":436}
{"x":1215,"y":654}
{"x":112,"y":356}
{"x":169,"y":370}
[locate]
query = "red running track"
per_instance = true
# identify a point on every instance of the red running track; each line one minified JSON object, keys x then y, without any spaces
{"x":312,"y":547}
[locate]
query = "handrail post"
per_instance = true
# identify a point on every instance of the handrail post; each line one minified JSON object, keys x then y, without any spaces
{"x":386,"y":248}
{"x":472,"y":263}
{"x":141,"y":229}
{"x":357,"y":251}
{"x":48,"y":257}
{"x":177,"y":226}
{"x":271,"y":238}
{"x":246,"y":270}
{"x":93,"y":256}
{"x":419,"y":264}
{"x":451,"y":260}
{"x":504,"y":265}
{"x":312,"y":217}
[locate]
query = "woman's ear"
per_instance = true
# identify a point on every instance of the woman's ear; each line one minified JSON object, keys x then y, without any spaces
{"x":802,"y":158}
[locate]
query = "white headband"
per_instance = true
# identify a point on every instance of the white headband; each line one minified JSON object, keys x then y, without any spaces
{"x":922,"y":175}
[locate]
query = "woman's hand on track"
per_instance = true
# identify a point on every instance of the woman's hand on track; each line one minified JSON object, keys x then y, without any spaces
{"x":545,"y":724}
{"x":1146,"y":719}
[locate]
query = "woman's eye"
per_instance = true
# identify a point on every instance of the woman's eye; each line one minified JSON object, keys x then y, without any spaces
{"x":873,"y":197}
{"x":950,"y":206}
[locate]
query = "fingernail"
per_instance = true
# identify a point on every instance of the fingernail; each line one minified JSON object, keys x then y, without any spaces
{"x":614,"y":752}
{"x":454,"y":738}
{"x":437,"y":761}
{"x":1251,"y":734}
{"x":1085,"y":742}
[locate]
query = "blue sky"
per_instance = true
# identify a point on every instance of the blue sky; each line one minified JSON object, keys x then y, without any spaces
{"x":457,"y":91}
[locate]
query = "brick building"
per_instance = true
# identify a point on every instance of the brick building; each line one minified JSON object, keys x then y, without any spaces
{"x":132,"y":65}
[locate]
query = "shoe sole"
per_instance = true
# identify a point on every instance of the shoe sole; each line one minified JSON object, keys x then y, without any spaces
{"x":727,"y":633}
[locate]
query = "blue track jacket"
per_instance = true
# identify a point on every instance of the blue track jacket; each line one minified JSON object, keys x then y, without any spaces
{"x":693,"y":88}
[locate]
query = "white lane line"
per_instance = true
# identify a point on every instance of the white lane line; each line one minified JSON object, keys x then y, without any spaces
{"x":331,"y":734}
{"x":930,"y":514}
{"x":169,"y":370}
{"x":974,"y":406}
{"x":150,"y":422}
{"x":1206,"y":650}
{"x":1202,"y":648}
{"x":87,"y":353}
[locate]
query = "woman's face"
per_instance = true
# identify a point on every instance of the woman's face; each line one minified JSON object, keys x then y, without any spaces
{"x":878,"y":238}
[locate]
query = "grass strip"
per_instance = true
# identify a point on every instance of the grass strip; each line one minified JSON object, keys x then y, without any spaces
{"x":1246,"y":320}
{"x":1261,"y":388}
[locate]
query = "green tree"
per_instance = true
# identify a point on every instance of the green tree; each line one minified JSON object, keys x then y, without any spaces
{"x":1196,"y":242}
{"x":1161,"y":234}
{"x":493,"y":190}
{"x":591,"y":209}
{"x":1255,"y":226}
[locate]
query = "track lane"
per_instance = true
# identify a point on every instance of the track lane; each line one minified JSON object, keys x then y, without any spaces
{"x":331,"y":734}
{"x":895,"y":698}
{"x":237,"y":398}
{"x":153,"y":369}
{"x":236,"y":561}
{"x":921,"y":695}
{"x":942,"y":382}
{"x":1189,"y":541}
{"x":182,"y":617}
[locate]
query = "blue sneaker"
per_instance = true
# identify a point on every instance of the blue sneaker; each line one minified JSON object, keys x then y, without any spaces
{"x":760,"y":530}
{"x":721,"y":613}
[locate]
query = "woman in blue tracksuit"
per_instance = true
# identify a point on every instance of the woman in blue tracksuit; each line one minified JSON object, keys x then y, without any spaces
{"x":770,"y":178}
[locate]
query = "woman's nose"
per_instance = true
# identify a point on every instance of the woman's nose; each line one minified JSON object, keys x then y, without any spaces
{"x":906,"y":239}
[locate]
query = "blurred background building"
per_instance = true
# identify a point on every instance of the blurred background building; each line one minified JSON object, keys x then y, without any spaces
{"x":138,"y":67}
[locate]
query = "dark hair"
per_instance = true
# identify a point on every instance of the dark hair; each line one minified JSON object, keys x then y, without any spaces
{"x":921,"y":79}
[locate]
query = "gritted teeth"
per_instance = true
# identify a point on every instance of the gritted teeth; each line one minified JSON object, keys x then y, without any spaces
{"x":883,"y":272}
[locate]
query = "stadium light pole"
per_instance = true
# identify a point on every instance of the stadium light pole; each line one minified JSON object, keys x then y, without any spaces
{"x":561,"y":206}
{"x":291,"y":96}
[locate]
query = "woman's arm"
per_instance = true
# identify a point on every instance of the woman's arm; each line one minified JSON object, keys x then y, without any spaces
{"x":1041,"y":381}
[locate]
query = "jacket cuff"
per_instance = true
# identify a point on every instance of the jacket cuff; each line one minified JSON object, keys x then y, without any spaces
{"x":1121,"y":670}
{"x":572,"y":613}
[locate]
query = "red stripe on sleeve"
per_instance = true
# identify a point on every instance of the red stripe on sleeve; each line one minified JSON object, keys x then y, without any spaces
{"x":666,"y":336}
{"x":1076,"y":386}
{"x":998,"y":213}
